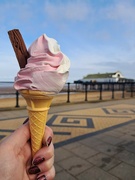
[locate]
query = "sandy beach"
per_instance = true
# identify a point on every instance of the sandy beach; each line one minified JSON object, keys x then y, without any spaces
{"x":62,"y":98}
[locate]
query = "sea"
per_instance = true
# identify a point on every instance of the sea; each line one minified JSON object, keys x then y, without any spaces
{"x":7,"y":90}
{"x":6,"y":84}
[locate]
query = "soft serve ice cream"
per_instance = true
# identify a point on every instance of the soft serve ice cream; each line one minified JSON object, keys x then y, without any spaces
{"x":46,"y":69}
{"x":44,"y":76}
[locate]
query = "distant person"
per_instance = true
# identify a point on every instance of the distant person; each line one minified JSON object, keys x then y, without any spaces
{"x":16,"y":161}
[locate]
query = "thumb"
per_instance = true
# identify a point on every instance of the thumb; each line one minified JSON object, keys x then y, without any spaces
{"x":20,"y":136}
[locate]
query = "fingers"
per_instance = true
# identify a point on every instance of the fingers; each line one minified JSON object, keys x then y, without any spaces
{"x":43,"y":163}
{"x":49,"y":175}
{"x":43,"y":160}
{"x":47,"y":136}
{"x":43,"y":154}
{"x":42,"y":167}
{"x":47,"y":151}
{"x":46,"y":165}
{"x":42,"y":172}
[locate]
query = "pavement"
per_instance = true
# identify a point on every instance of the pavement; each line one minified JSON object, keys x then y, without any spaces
{"x":93,"y":141}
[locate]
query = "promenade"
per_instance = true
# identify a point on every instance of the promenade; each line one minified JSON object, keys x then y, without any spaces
{"x":93,"y":141}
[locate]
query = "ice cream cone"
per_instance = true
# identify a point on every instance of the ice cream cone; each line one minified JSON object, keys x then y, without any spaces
{"x":38,"y":104}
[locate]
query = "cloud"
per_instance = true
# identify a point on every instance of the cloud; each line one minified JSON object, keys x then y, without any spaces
{"x":121,"y":66}
{"x":8,"y":67}
{"x":69,"y":10}
{"x":15,"y":13}
{"x":101,"y":59}
{"x":121,"y":10}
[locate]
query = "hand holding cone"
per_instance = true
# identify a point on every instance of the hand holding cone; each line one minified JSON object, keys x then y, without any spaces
{"x":42,"y":75}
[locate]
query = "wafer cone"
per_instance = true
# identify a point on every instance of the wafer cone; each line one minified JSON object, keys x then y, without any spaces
{"x":38,"y":104}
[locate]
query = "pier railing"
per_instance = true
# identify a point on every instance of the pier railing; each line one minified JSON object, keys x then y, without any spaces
{"x":92,"y":91}
{"x":120,"y":89}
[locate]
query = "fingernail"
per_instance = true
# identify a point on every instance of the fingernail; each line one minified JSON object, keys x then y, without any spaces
{"x":26,"y":120}
{"x":38,"y":160}
{"x":49,"y":140}
{"x":34,"y":170}
{"x":42,"y":178}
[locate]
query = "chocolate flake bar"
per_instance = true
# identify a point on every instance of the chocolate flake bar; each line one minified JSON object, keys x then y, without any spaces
{"x":19,"y":47}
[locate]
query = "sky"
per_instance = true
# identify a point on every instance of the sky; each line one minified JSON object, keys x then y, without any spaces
{"x":98,"y":36}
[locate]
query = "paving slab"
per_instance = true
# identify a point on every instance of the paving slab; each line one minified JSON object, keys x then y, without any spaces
{"x":64,"y":175}
{"x":127,"y":157}
{"x":96,"y":173}
{"x":92,"y":140}
{"x":104,"y":161}
{"x":124,"y":171}
{"x":75,"y":165}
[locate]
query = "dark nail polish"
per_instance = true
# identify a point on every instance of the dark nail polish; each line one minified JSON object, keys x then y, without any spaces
{"x":49,"y":140}
{"x":34,"y":170}
{"x":42,"y":178}
{"x":26,"y":120}
{"x":38,"y":160}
